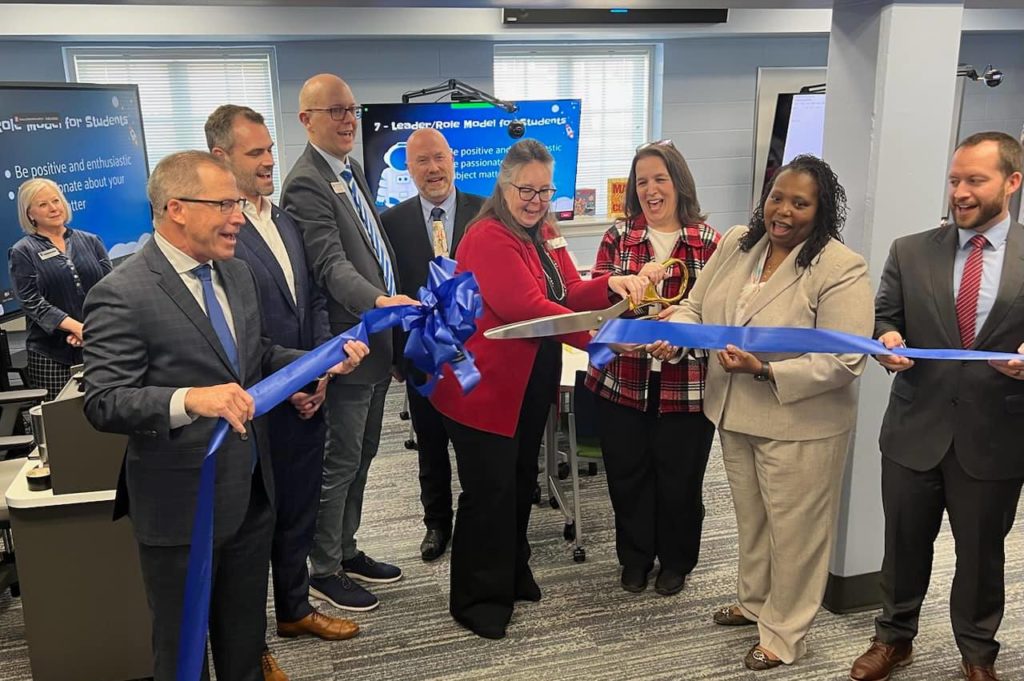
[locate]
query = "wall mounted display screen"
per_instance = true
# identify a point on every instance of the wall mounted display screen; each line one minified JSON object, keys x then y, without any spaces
{"x":799,"y":128}
{"x":89,"y":140}
{"x":479,"y":137}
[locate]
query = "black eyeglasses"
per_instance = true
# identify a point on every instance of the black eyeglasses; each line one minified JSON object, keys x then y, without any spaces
{"x":227,"y":206}
{"x":527,"y":193}
{"x":657,"y":143}
{"x":338,"y":112}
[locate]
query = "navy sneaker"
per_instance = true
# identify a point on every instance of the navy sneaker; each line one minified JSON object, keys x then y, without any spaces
{"x":366,"y":569}
{"x":342,"y":592}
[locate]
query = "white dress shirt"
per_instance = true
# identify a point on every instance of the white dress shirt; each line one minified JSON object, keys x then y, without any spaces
{"x":183,"y":264}
{"x":261,"y":220}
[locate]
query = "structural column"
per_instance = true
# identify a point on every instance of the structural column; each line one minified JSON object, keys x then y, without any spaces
{"x":889,"y":114}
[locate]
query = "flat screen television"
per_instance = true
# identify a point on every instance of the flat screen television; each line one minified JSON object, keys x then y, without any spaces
{"x":799,"y":128}
{"x":479,"y":137}
{"x":89,"y":140}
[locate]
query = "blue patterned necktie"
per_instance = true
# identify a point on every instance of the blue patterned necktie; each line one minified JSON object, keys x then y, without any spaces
{"x":370,"y":225}
{"x":216,"y":315}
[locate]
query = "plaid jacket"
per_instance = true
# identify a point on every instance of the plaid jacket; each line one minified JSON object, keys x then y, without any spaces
{"x":624,"y":250}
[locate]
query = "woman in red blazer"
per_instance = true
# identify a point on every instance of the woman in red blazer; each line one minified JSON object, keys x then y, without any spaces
{"x":524,"y":271}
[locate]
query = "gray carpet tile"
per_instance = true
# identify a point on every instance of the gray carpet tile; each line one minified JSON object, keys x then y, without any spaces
{"x":586,"y":627}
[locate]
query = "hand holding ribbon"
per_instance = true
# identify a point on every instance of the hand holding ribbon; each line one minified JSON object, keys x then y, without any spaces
{"x":438,"y":328}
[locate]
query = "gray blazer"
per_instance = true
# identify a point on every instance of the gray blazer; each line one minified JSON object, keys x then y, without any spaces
{"x":145,"y":337}
{"x":935,"y":404}
{"x":339,"y":253}
{"x":813,"y":395}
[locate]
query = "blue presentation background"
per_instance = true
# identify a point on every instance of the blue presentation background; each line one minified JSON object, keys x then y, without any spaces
{"x":118,"y":215}
{"x":379,"y":137}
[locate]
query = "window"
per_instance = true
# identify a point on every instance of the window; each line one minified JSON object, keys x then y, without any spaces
{"x":615,"y":86}
{"x":180,"y":87}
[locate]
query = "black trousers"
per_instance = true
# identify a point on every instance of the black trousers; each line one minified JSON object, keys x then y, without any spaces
{"x":435,"y":465}
{"x":981,"y":513}
{"x":655,"y":469}
{"x":297,"y":455}
{"x":238,"y":600}
{"x":490,"y":551}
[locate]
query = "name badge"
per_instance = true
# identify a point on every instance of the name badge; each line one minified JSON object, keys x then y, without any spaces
{"x":48,"y":253}
{"x":339,"y":187}
{"x":558,"y":242}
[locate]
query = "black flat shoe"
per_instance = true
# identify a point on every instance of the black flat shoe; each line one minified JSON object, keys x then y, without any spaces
{"x":634,"y":579}
{"x":434,"y":543}
{"x":493,"y":632}
{"x":527,"y":589}
{"x":669,"y":582}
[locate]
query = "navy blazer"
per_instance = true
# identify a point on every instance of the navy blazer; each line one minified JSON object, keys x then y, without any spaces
{"x":301,"y":324}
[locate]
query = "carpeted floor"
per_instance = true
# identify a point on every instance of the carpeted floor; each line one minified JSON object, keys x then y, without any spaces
{"x":586,"y":627}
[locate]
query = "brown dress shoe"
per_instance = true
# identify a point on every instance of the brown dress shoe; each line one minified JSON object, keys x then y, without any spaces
{"x":976,"y":672}
{"x":731,"y":617}
{"x":319,"y":625}
{"x":878,"y":663}
{"x":271,"y":672}
{"x":757,"y":660}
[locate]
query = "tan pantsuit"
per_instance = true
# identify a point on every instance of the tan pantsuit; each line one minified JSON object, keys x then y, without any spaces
{"x":784,"y":442}
{"x":786,"y":496}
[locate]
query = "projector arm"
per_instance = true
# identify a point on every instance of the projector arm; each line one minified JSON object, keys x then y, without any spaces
{"x":456,"y":88}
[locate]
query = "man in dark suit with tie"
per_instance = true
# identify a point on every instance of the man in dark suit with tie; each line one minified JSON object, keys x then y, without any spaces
{"x":171,"y":338}
{"x":353,"y":263}
{"x":950,"y":437}
{"x":294,"y":316}
{"x":420,"y":228}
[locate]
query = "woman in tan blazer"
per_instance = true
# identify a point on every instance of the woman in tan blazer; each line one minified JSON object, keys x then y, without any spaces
{"x":784,"y":419}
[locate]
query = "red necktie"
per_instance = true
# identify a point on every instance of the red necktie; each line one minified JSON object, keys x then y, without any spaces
{"x":970,"y":286}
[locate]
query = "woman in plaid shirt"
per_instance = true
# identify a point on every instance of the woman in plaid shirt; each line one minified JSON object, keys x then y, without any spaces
{"x":654,"y":437}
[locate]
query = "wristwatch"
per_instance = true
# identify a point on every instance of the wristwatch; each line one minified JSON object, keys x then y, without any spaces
{"x":765,"y":374}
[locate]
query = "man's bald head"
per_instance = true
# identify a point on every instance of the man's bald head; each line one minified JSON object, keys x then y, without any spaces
{"x":328,"y":109}
{"x":431,"y":164}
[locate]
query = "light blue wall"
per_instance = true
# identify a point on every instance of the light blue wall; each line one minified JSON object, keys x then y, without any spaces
{"x":707,"y":95}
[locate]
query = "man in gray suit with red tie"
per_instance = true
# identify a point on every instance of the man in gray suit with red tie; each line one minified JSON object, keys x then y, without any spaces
{"x":294,"y":316}
{"x":353,"y":263}
{"x":429,"y":224}
{"x":173,"y":337}
{"x":950,"y":437}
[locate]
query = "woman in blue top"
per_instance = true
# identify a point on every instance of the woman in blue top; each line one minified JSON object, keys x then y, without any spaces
{"x":52,"y":268}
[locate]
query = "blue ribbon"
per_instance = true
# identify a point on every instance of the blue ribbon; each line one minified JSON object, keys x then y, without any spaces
{"x":759,"y":339}
{"x":438,"y":328}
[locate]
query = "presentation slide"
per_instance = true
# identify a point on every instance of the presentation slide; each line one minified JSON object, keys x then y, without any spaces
{"x":478,"y":135}
{"x":86,"y":138}
{"x":806,"y":126}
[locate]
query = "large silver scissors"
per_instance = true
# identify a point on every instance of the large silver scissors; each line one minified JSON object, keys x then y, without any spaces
{"x":571,"y":322}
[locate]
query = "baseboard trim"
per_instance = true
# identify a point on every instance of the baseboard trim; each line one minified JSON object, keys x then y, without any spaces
{"x":855,"y":593}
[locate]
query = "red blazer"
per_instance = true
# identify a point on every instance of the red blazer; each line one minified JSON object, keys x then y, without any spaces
{"x":513,"y":289}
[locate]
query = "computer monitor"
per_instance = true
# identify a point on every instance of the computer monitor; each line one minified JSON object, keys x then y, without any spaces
{"x":799,"y":128}
{"x":89,"y":140}
{"x":479,"y":134}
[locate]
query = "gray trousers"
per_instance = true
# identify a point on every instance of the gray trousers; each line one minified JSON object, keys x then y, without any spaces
{"x":353,"y":414}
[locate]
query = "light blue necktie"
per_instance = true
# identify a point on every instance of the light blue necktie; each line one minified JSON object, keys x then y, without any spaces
{"x":220,"y":326}
{"x":376,"y":240}
{"x":216,"y":315}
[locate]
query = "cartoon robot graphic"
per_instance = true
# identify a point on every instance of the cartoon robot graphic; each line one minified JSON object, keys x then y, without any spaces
{"x":395,"y":184}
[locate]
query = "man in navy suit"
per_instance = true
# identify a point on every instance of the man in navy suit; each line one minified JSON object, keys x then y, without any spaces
{"x":294,"y":316}
{"x":429,"y":224}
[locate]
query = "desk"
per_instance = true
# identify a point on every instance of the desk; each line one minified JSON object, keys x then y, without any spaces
{"x":86,"y":616}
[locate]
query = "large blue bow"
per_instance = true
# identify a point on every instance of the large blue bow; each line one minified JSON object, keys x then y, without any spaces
{"x":759,"y":339}
{"x":438,"y":328}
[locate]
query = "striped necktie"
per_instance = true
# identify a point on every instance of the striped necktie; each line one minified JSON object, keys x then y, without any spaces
{"x":970,"y":288}
{"x":370,"y":225}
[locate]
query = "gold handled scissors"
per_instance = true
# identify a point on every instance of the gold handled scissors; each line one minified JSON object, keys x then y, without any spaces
{"x":556,"y":325}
